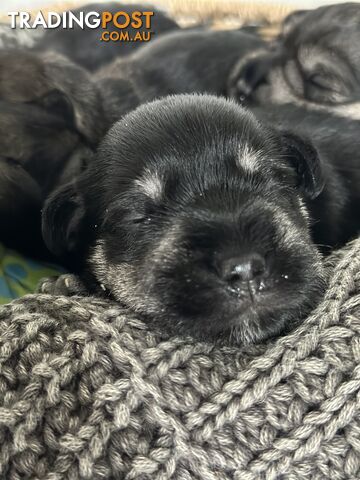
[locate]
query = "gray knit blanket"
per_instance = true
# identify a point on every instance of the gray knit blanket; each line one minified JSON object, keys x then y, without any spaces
{"x":88,"y":391}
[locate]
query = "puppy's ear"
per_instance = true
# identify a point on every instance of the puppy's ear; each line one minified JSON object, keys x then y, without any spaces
{"x":304,"y":158}
{"x":62,"y":220}
{"x":81,"y":92}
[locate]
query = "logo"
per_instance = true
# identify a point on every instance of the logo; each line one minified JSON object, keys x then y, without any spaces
{"x":115,"y":27}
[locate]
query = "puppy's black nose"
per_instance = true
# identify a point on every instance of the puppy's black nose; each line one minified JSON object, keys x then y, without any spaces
{"x":243,"y":90}
{"x":245,"y":268}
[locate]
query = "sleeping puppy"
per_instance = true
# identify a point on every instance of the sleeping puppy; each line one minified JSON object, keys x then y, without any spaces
{"x":180,"y":62}
{"x":50,"y":121}
{"x":84,"y":46}
{"x":315,"y":62}
{"x":198,"y":216}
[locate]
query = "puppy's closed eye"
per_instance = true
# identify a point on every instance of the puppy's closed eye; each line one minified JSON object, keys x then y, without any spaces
{"x":118,"y":217}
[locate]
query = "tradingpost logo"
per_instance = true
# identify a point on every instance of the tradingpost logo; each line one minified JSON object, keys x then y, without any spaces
{"x":114,"y":27}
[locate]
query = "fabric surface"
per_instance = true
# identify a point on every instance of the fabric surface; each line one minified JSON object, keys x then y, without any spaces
{"x":20,"y":275}
{"x":88,"y":391}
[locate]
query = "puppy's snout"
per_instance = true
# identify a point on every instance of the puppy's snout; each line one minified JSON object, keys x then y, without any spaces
{"x":243,"y":90}
{"x":252,"y":76}
{"x":249,"y":75}
{"x":237,"y":270}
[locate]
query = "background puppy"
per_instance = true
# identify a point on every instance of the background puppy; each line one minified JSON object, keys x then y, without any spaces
{"x":335,"y":211}
{"x":194,"y":214}
{"x":181,"y":62}
{"x":50,"y":121}
{"x":84,"y":46}
{"x":315,"y":61}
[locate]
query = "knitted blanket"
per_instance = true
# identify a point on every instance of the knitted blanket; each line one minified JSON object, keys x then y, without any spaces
{"x":89,"y":391}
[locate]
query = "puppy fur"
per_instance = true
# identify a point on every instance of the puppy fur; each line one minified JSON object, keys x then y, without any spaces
{"x":335,"y":211}
{"x":16,"y":38}
{"x":84,"y":46}
{"x":50,"y":121}
{"x":199,"y":217}
{"x":315,"y":62}
{"x":20,"y":203}
{"x":192,"y":61}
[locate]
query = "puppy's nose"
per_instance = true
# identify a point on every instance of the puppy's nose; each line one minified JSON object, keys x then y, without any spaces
{"x":245,"y":268}
{"x":243,"y":90}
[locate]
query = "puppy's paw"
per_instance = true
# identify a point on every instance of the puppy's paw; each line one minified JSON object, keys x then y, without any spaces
{"x":67,"y":285}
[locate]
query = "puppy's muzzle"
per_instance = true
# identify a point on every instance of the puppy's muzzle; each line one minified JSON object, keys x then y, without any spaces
{"x":250,"y":73}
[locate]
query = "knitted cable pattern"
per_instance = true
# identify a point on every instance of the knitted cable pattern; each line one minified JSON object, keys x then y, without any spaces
{"x":88,"y":391}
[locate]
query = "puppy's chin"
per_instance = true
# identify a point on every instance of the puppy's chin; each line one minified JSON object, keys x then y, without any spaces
{"x":239,"y":321}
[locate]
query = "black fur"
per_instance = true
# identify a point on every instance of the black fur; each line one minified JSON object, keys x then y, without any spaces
{"x":337,"y":141}
{"x":200,"y":217}
{"x":193,"y":61}
{"x":315,"y":60}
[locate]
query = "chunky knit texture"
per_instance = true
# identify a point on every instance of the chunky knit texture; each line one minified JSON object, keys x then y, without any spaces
{"x":88,"y":391}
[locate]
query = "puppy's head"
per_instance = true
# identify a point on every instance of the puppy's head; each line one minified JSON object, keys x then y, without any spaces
{"x":194,"y":214}
{"x":48,"y":109}
{"x":315,"y":60}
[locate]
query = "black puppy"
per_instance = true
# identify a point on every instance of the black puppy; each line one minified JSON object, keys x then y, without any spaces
{"x":84,"y":46}
{"x":197,"y":215}
{"x":50,"y":121}
{"x":180,"y":62}
{"x":315,"y":61}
